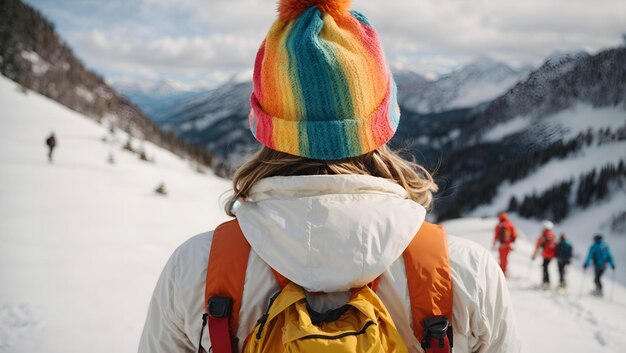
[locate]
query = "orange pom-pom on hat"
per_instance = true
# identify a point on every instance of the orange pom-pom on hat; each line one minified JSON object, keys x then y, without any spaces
{"x":291,"y":9}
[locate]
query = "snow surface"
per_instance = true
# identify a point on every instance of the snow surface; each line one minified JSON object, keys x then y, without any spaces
{"x":39,"y":65}
{"x":555,"y":172}
{"x":580,"y":225}
{"x":549,"y":321}
{"x":568,"y":123}
{"x":482,"y":91}
{"x":85,"y":93}
{"x":83,"y":242}
{"x":475,"y":83}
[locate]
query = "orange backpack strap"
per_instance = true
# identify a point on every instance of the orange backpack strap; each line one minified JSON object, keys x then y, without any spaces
{"x":428,"y":276}
{"x":226,"y":273}
{"x":429,"y":280}
{"x":280,"y":279}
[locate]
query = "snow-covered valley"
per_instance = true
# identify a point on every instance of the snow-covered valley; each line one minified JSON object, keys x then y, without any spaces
{"x":83,"y":241}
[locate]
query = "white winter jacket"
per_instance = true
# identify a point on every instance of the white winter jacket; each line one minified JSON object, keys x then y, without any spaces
{"x":329,"y":234}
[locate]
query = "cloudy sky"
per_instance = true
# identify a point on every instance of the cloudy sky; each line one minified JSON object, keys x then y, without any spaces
{"x":209,"y":41}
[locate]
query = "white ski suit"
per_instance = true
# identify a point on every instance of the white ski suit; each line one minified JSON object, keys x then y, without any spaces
{"x":330,"y":233}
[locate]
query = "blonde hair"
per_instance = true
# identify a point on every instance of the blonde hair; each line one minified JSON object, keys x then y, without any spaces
{"x":382,"y":162}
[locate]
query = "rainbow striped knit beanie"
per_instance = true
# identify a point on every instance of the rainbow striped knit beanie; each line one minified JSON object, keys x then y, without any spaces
{"x":322,"y":88}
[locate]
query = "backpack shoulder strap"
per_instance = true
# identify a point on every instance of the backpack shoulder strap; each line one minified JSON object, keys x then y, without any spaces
{"x":429,"y":280}
{"x":226,"y":273}
{"x":428,"y":276}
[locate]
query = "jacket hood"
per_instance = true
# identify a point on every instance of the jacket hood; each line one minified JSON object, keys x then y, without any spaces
{"x":329,"y":233}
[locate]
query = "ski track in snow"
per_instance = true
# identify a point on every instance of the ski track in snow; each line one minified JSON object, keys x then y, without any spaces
{"x":19,"y":327}
{"x":83,"y":242}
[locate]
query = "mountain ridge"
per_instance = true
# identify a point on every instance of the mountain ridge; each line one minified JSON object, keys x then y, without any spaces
{"x":35,"y":56}
{"x":544,"y":115}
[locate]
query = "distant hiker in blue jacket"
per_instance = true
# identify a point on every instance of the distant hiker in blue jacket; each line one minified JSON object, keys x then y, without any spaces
{"x":564,"y":252}
{"x":600,"y":254}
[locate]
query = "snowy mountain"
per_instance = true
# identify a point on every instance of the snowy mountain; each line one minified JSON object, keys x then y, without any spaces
{"x":482,"y":128}
{"x":33,"y":54}
{"x":568,"y":107}
{"x":218,"y":118}
{"x":158,"y":99}
{"x":559,"y":84}
{"x":161,"y":88}
{"x":84,"y":240}
{"x":475,"y":83}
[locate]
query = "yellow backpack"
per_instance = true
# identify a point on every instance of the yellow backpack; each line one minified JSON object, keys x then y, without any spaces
{"x":362,"y":325}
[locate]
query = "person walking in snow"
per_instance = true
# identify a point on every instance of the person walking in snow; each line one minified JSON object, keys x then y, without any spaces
{"x":564,"y":253}
{"x":547,"y":243}
{"x":600,"y":254}
{"x":327,"y":219}
{"x":51,"y":142}
{"x":505,"y":235}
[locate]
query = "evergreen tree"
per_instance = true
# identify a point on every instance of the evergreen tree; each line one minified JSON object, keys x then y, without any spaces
{"x":161,"y":189}
{"x":512,"y":204}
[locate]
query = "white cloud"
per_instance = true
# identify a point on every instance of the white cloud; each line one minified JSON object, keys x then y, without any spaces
{"x":219,"y":37}
{"x":518,"y":32}
{"x":119,"y":51}
{"x":429,"y":66}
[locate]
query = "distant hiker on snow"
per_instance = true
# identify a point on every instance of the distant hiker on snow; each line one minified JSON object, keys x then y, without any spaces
{"x":51,"y":142}
{"x":564,"y":253}
{"x":546,"y":242}
{"x":329,"y":250}
{"x":505,"y":234}
{"x":600,"y":254}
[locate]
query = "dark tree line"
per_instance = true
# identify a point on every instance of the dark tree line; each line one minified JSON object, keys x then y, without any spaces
{"x":483,"y":188}
{"x":555,"y":203}
{"x":596,"y":186}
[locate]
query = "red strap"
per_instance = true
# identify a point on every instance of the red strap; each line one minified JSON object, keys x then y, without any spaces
{"x":220,"y":335}
{"x":280,"y":279}
{"x":226,"y":273}
{"x":436,"y":348}
{"x":374,"y":284}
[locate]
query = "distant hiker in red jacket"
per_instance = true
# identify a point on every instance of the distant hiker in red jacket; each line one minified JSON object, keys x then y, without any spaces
{"x":505,"y":234}
{"x":51,"y":142}
{"x":547,"y":242}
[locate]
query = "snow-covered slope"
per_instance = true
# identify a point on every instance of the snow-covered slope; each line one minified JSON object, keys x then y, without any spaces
{"x":158,"y":99}
{"x":83,"y":242}
{"x":475,"y":83}
{"x":563,"y":125}
{"x":548,"y":321}
{"x":567,"y":105}
{"x":581,"y":224}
